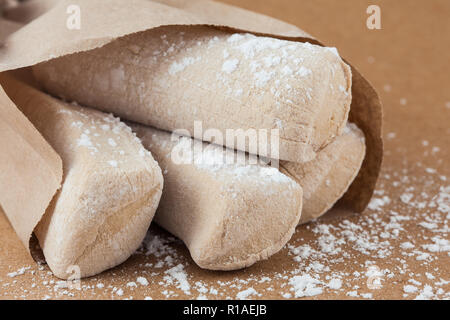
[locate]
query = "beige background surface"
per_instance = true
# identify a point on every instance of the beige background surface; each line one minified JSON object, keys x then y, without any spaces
{"x":403,"y":233}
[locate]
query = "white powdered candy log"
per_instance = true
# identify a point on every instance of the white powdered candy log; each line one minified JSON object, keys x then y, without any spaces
{"x":169,"y":77}
{"x":110,"y":191}
{"x":230,"y":215}
{"x":325,"y":179}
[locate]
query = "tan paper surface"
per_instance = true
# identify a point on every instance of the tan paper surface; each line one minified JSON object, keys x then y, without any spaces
{"x":103,"y":21}
{"x":31,"y":171}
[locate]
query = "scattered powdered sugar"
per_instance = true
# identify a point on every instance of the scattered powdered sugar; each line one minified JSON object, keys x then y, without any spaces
{"x":438,"y":245}
{"x":270,"y":63}
{"x":303,"y":72}
{"x":352,"y":294}
{"x":142,"y":281}
{"x":119,"y":292}
{"x":19,"y":272}
{"x":377,"y":203}
{"x":84,"y":141}
{"x":406,"y":245}
{"x":98,"y":131}
{"x":335,"y":284}
{"x":253,"y":45}
{"x":367,"y":295}
{"x":180,"y":276}
{"x":409,"y":288}
{"x":112,"y":142}
{"x":262,"y":77}
{"x":426,"y":293}
{"x":176,"y":67}
{"x":406,"y":197}
{"x":245,"y":294}
{"x":230,"y":66}
{"x":305,"y":286}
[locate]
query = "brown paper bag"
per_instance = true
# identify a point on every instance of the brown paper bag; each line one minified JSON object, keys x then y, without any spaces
{"x":54,"y":34}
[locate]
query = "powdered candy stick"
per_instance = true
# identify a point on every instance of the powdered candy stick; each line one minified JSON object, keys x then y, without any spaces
{"x":325,"y":179}
{"x":169,"y":77}
{"x":229,"y":215}
{"x":110,"y":191}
